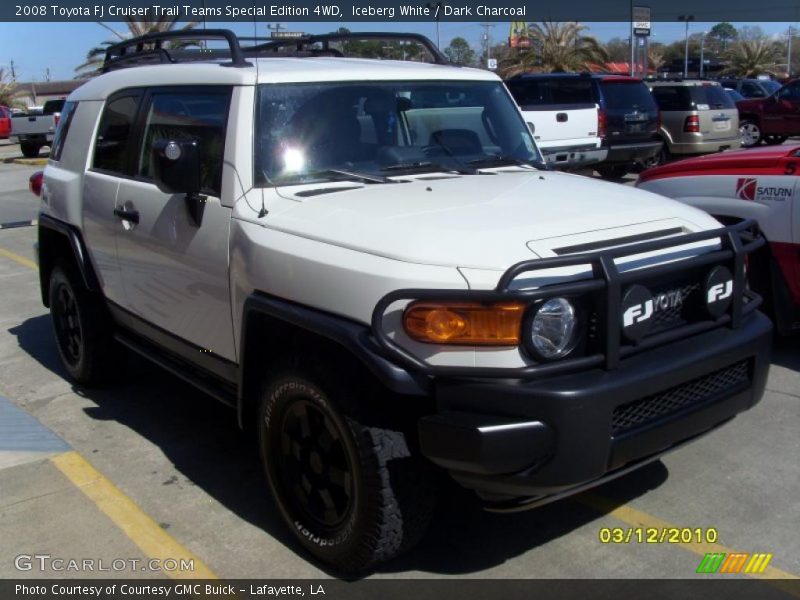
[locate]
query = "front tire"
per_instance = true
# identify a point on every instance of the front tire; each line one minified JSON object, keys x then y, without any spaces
{"x":750,"y":133}
{"x":352,"y":493}
{"x":775,"y":140}
{"x":83,"y":330}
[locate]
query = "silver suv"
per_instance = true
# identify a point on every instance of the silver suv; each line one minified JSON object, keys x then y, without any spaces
{"x":368,"y":261}
{"x":697,"y":117}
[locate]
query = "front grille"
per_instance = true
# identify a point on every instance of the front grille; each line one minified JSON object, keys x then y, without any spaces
{"x":641,"y":412}
{"x":675,"y":316}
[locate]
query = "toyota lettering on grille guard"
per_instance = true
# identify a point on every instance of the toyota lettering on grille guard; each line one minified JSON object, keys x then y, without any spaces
{"x":602,"y":295}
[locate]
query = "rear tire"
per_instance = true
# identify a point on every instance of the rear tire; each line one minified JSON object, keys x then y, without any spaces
{"x":349,"y":488}
{"x":662,"y":158}
{"x":750,"y":133}
{"x":613,"y":171}
{"x":29,"y":149}
{"x":83,"y":329}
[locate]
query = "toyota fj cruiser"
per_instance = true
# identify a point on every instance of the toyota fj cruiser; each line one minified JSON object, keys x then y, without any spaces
{"x":368,"y":260}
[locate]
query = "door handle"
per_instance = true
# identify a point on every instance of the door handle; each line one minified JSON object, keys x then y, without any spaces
{"x":127,"y":215}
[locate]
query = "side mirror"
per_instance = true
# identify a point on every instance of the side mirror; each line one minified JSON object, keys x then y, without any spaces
{"x":532,"y":127}
{"x":176,"y":170}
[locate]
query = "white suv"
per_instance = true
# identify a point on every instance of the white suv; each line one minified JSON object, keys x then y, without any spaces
{"x":368,"y":261}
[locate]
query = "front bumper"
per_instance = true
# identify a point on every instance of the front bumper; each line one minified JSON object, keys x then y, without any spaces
{"x":518,"y":443}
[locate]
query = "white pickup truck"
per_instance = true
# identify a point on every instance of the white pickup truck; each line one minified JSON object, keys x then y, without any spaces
{"x":564,"y":116}
{"x":32,"y":131}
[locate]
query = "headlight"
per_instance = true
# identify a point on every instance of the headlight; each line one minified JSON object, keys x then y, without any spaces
{"x":554,"y":328}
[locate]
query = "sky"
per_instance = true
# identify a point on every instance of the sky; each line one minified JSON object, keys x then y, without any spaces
{"x":60,"y":47}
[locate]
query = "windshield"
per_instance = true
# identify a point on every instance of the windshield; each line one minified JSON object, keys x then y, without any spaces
{"x":323,"y":131}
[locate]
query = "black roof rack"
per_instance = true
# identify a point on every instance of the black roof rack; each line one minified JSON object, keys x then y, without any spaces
{"x":134,"y":50}
{"x":149,"y":48}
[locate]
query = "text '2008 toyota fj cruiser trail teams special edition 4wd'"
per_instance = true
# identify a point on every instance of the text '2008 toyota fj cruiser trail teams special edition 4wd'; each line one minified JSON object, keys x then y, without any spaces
{"x":367,"y":259}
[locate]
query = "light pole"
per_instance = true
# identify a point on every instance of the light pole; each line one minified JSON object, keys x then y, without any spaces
{"x":702,"y":48}
{"x":789,"y":34}
{"x":687,"y":19}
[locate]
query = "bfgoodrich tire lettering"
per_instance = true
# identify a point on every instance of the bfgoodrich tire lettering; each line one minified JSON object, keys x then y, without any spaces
{"x":352,"y":493}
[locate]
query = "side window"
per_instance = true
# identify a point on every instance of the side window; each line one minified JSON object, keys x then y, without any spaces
{"x":114,"y":134}
{"x":183,"y":116}
{"x":752,"y":90}
{"x":790,"y":92}
{"x":62,"y":130}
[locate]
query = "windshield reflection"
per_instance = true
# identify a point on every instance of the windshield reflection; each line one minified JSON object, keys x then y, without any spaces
{"x":317,"y":132}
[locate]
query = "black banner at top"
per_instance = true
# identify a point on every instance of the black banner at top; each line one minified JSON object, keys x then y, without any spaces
{"x":396,"y":10}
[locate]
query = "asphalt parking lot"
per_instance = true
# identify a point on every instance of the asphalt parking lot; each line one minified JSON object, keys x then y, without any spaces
{"x":150,"y":468}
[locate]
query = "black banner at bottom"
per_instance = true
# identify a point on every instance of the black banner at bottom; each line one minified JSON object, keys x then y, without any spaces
{"x":402,"y":589}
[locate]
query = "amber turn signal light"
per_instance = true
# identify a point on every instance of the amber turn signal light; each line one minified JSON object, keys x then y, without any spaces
{"x":466,"y":323}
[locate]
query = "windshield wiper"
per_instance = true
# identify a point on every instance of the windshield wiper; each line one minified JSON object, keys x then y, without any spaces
{"x":499,"y":160}
{"x":427,"y":167}
{"x":343,"y":174}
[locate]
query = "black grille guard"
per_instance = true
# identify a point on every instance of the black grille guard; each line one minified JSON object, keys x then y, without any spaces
{"x":736,"y":241}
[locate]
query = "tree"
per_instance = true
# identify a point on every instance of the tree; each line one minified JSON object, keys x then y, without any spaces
{"x":136,"y":27}
{"x":720,"y":37}
{"x":8,"y":91}
{"x":655,"y":56}
{"x":750,"y":58}
{"x":460,"y":52}
{"x":618,"y":50}
{"x":556,"y":47}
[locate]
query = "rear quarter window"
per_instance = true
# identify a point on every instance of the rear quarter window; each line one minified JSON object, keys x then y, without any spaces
{"x":62,"y":130}
{"x":672,"y":98}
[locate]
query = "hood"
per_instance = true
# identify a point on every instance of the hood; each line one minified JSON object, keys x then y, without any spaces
{"x":478,"y":221}
{"x":750,"y":104}
{"x":736,"y":162}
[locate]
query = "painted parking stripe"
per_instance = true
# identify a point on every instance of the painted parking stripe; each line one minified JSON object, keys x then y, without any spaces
{"x":140,"y":528}
{"x":21,"y":260}
{"x":637,"y":518}
{"x":15,"y":224}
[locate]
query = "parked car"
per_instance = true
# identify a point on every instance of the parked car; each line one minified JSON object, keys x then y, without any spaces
{"x":33,"y":131}
{"x":697,"y":117}
{"x":564,"y":113}
{"x":5,"y":122}
{"x":760,"y":184}
{"x":734,"y":95}
{"x":772,"y":119}
{"x":370,"y":263}
{"x":631,"y":122}
{"x":752,"y":88}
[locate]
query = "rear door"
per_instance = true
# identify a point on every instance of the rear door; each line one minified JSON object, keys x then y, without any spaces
{"x":719,"y":118}
{"x":631,"y":111}
{"x":562,"y":109}
{"x":175,"y":272}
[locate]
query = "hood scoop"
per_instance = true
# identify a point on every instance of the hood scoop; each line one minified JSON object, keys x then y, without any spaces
{"x":620,"y":241}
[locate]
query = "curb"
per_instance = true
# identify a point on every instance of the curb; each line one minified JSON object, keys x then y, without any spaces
{"x":31,"y":162}
{"x":15,"y":224}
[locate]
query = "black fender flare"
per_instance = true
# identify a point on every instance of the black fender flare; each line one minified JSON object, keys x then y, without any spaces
{"x":79,"y":253}
{"x":355,"y":338}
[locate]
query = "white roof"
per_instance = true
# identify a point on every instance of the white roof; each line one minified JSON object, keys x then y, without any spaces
{"x":275,"y":70}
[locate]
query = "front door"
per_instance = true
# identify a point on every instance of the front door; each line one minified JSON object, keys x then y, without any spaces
{"x":174,"y":271}
{"x":782,"y":111}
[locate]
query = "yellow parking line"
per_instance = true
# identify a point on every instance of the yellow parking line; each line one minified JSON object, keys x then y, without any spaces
{"x":134,"y":522}
{"x":25,"y":262}
{"x":637,"y":518}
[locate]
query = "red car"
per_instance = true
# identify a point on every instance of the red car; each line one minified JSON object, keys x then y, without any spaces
{"x":5,"y":122}
{"x":772,"y":119}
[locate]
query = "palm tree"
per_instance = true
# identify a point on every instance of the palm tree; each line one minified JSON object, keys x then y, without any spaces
{"x":8,"y":92}
{"x":136,"y":27}
{"x":655,"y":57}
{"x":555,"y":47}
{"x":749,"y":58}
